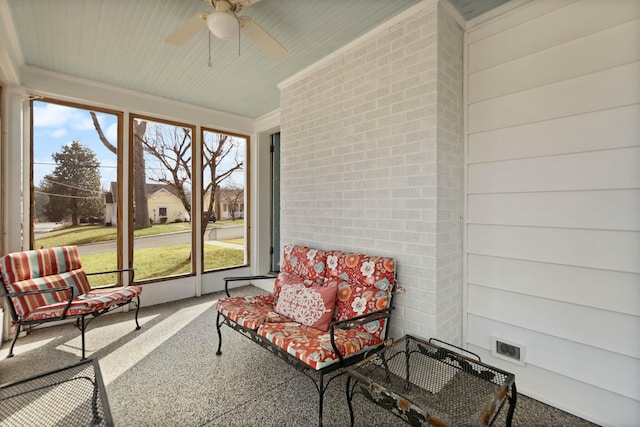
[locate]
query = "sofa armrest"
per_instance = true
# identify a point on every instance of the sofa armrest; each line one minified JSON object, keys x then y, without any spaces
{"x":131,"y":270}
{"x":238,"y":278}
{"x":355,"y":322}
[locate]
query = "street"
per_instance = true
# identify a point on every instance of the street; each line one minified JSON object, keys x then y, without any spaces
{"x":178,"y":238}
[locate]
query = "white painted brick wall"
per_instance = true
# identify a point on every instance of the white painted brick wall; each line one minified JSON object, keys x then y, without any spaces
{"x":450,"y":179}
{"x":371,"y":150}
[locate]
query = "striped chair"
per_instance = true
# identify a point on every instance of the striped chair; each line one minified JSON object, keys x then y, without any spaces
{"x":49,"y":284}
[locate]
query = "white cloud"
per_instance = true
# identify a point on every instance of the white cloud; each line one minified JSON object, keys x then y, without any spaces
{"x":112,"y":132}
{"x":82,"y":122}
{"x":59,"y":133}
{"x":53,"y":115}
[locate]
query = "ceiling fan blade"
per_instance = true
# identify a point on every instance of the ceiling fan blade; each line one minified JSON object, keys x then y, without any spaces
{"x":263,"y":39}
{"x":187,"y":30}
{"x":244,"y":3}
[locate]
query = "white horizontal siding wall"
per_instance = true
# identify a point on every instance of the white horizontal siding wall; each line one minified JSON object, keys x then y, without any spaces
{"x":553,"y":201}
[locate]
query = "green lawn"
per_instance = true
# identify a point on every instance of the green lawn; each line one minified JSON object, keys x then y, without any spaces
{"x":149,"y":263}
{"x":86,"y":234}
{"x":160,"y":262}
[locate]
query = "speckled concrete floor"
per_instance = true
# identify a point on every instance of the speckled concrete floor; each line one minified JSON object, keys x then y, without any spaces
{"x":167,"y":374}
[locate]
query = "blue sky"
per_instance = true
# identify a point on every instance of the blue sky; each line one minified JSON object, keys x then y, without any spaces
{"x":56,"y":125}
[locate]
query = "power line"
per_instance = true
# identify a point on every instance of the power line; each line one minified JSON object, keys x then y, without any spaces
{"x":71,"y":186}
{"x":68,"y":196}
{"x":55,"y":164}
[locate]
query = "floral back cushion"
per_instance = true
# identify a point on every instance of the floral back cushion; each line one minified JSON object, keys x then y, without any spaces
{"x":362,"y":269}
{"x":305,"y":262}
{"x":354,"y":299}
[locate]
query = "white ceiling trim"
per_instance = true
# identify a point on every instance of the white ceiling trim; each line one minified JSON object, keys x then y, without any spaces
{"x":10,"y":56}
{"x":268,"y":121}
{"x":424,"y":5}
{"x":506,"y":8}
{"x":46,"y":83}
{"x":449,"y":7}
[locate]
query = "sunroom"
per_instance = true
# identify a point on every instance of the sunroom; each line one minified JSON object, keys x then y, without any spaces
{"x":492,"y":148}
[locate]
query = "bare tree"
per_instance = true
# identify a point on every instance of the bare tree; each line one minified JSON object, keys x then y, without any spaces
{"x":141,"y":203}
{"x":221,"y":148}
{"x":141,"y":213}
{"x":233,"y":195}
{"x":170,"y":146}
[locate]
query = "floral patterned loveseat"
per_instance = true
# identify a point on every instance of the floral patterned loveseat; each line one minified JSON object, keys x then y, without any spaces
{"x":327,"y":311}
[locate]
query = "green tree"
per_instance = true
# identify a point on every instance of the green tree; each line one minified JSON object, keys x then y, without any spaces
{"x":74,"y":185}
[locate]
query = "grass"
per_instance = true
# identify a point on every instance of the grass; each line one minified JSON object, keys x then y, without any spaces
{"x":175,"y":261}
{"x":161,"y":261}
{"x":87,"y":234}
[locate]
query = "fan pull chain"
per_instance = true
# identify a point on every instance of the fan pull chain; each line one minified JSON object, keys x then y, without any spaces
{"x":238,"y":37}
{"x":209,"y":64}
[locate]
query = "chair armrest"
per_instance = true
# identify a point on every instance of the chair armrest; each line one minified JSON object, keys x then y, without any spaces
{"x":238,"y":278}
{"x":37,"y":291}
{"x":355,"y":322}
{"x":131,"y":270}
{"x":44,"y":291}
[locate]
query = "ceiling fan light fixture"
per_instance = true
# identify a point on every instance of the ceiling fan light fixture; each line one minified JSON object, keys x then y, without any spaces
{"x":223,"y":25}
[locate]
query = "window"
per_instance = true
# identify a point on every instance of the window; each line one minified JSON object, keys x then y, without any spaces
{"x":162,"y":197}
{"x":74,"y":182}
{"x":224,"y":195}
{"x":78,"y":175}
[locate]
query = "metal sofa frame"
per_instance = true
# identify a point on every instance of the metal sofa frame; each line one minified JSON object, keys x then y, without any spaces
{"x":318,"y":376}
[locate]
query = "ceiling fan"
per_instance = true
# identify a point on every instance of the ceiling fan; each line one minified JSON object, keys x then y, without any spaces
{"x":225,"y":24}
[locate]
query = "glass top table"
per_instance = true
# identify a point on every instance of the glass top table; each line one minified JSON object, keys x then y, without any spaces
{"x":427,"y":383}
{"x":71,"y":396}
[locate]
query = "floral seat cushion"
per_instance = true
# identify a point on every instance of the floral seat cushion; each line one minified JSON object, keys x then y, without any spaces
{"x":312,"y":346}
{"x":250,"y":311}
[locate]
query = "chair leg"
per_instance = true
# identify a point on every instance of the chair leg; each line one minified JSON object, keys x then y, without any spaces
{"x":137,"y":310}
{"x":15,"y":338}
{"x":82,"y":327}
{"x":219,"y":352}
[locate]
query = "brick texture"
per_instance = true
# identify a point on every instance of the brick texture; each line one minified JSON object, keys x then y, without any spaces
{"x":371,"y":161}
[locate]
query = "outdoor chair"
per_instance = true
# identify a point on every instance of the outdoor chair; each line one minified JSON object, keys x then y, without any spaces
{"x":49,"y":285}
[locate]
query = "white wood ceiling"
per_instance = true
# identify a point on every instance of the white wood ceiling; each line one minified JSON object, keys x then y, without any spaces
{"x":121,"y":43}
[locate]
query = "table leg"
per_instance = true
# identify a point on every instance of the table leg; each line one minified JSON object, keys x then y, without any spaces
{"x":407,"y":354}
{"x":512,"y":404}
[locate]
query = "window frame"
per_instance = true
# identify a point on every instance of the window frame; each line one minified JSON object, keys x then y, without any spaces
{"x":119,"y":164}
{"x":246,"y":199}
{"x":133,"y":116}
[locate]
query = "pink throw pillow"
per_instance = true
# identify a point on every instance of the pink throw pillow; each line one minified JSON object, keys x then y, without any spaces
{"x":284,"y":279}
{"x":310,"y":306}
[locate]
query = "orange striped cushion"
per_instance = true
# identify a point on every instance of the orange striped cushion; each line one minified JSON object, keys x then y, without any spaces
{"x":24,"y":305}
{"x":95,"y":300}
{"x":27,"y":265}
